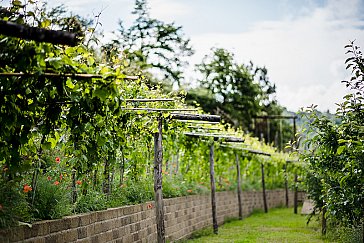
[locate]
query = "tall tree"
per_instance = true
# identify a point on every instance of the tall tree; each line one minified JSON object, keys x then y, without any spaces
{"x":240,"y":91}
{"x":152,"y":45}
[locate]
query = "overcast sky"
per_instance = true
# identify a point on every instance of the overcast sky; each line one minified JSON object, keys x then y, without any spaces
{"x":300,"y":42}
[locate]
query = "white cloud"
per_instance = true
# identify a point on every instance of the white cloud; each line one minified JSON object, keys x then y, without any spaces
{"x":168,"y":10}
{"x":304,"y":55}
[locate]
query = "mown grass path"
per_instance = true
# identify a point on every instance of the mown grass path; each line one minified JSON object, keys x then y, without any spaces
{"x":279,"y":225}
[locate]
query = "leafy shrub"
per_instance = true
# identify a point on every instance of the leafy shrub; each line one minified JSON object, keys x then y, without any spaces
{"x":335,"y":155}
{"x":175,"y":186}
{"x":138,"y":191}
{"x":344,"y":234}
{"x":13,"y":205}
{"x":117,"y":198}
{"x":92,"y":201}
{"x":52,"y":200}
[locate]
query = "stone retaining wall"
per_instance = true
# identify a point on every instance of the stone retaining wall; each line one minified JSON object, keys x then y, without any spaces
{"x":136,"y":223}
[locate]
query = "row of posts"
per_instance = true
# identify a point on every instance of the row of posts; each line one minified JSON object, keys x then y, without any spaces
{"x":159,"y":206}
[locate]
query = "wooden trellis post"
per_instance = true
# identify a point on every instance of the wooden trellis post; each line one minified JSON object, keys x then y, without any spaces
{"x":263,"y":189}
{"x":158,"y":194}
{"x":295,"y":193}
{"x":286,"y":184}
{"x":295,"y":197}
{"x":213,"y":190}
{"x":239,"y":185}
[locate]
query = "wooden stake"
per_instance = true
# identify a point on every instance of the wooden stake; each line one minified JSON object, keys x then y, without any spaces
{"x":196,"y":117}
{"x":106,"y":182}
{"x":38,"y":34}
{"x":264,"y":195}
{"x":74,"y":190}
{"x":286,"y":183}
{"x":239,"y":185}
{"x":213,"y":190}
{"x":226,"y":138}
{"x":295,"y":202}
{"x":323,"y":222}
{"x":158,"y":194}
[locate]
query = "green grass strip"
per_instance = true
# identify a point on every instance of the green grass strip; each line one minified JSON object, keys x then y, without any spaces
{"x":279,"y":225}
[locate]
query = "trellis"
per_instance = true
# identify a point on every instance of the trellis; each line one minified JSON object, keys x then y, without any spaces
{"x":239,"y":177}
{"x":71,"y":39}
{"x":212,"y":170}
{"x":277,"y":117}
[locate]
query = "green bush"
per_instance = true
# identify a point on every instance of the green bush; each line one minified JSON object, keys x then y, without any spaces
{"x":175,"y":186}
{"x":92,"y":201}
{"x":117,"y":198}
{"x":52,"y":200}
{"x":13,"y":205}
{"x":344,"y":234}
{"x":138,"y":191}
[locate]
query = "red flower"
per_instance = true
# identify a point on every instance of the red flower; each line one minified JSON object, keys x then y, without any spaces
{"x":58,"y":160}
{"x":27,"y":188}
{"x":56,"y":183}
{"x":150,"y":206}
{"x":78,"y":182}
{"x":49,"y":178}
{"x":60,"y":177}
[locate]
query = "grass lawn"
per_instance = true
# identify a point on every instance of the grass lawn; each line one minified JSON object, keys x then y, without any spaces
{"x":279,"y":225}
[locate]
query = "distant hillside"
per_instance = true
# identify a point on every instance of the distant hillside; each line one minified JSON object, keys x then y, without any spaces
{"x":302,"y":121}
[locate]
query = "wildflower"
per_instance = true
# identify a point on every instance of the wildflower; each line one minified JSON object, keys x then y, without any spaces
{"x":189,"y":191}
{"x":60,"y":177}
{"x":49,"y":178}
{"x":27,"y":188}
{"x":78,"y":182}
{"x":56,"y":183}
{"x":150,"y":206}
{"x":58,"y":160}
